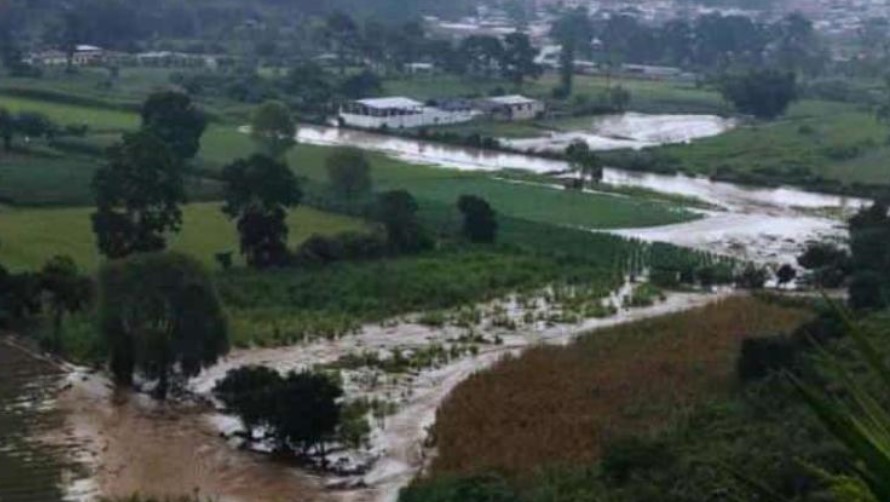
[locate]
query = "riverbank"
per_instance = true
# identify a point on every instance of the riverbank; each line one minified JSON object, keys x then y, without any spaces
{"x":768,"y":225}
{"x":181,"y":443}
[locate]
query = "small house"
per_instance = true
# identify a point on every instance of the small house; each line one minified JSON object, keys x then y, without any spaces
{"x":514,"y":107}
{"x":399,"y":113}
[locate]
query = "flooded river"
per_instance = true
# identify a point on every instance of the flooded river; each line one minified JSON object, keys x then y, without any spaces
{"x":132,"y":444}
{"x":629,"y":130}
{"x":763,"y":224}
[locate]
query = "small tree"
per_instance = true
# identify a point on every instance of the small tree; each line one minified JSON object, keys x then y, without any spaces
{"x":273,"y":128}
{"x":480,"y":220}
{"x":583,"y":161}
{"x":138,"y":193}
{"x":258,"y":192}
{"x":518,"y":59}
{"x":34,"y":125}
{"x":307,"y":413}
{"x":397,"y":210}
{"x":785,"y":274}
{"x":66,"y":291}
{"x":766,"y":94}
{"x":160,"y":315}
{"x":176,"y":120}
{"x":349,"y":172}
{"x":752,"y":277}
{"x":250,"y":392}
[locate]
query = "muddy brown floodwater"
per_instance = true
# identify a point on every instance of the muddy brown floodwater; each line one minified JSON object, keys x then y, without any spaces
{"x":133,"y":445}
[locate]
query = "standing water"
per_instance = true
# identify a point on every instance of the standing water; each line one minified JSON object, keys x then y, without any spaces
{"x":763,"y":224}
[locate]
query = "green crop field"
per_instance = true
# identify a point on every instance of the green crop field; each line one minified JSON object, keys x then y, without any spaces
{"x":550,"y":205}
{"x":28,"y":237}
{"x":96,"y":118}
{"x":834,"y":140}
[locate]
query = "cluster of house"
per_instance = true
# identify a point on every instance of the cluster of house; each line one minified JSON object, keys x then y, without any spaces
{"x":90,"y":55}
{"x":403,"y":113}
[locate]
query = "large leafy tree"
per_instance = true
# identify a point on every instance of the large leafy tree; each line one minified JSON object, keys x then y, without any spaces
{"x":480,"y":220}
{"x":341,"y":34}
{"x":349,"y":173}
{"x":766,"y":94}
{"x":138,"y":193}
{"x":482,"y":53}
{"x":176,"y":120}
{"x":307,"y":412}
{"x":273,"y":128}
{"x":250,"y":392}
{"x":300,"y":412}
{"x":574,"y":32}
{"x":161,"y":317}
{"x":397,"y":211}
{"x":258,"y":192}
{"x":518,"y":61}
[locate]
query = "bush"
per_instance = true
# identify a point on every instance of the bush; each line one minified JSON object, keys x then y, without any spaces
{"x":321,"y":250}
{"x":761,"y":356}
{"x":480,"y":488}
{"x":665,"y":278}
{"x":629,"y":456}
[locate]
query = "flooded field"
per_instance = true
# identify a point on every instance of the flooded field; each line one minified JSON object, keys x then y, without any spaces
{"x":629,"y":130}
{"x":32,"y":468}
{"x":770,"y":225}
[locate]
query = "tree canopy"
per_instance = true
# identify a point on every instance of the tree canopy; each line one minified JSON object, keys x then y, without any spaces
{"x":766,"y":94}
{"x":258,"y":192}
{"x":480,"y":221}
{"x":273,"y":128}
{"x":161,"y":317}
{"x":176,"y":120}
{"x":138,"y":193}
{"x":397,"y":211}
{"x":349,"y":172}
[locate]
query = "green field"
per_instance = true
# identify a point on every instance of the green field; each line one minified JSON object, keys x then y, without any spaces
{"x":445,"y":186}
{"x":29,"y":237}
{"x":98,"y":119}
{"x":833,"y":140}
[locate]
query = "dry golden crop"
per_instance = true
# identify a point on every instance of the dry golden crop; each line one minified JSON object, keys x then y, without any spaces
{"x":556,"y":405}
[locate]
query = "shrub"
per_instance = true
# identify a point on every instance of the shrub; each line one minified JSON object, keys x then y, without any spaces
{"x":321,"y":250}
{"x":759,"y":357}
{"x":624,"y":457}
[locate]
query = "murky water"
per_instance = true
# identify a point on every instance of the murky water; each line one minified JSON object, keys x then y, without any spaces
{"x":764,"y":224}
{"x":630,"y":130}
{"x":31,"y":468}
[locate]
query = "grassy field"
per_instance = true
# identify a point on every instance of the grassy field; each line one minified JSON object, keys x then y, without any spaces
{"x":559,"y":405}
{"x":28,"y":237}
{"x":98,"y":119}
{"x":445,"y":186}
{"x":834,"y":140}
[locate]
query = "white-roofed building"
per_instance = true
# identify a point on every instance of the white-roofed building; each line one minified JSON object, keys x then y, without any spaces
{"x":513,"y":107}
{"x":399,"y":113}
